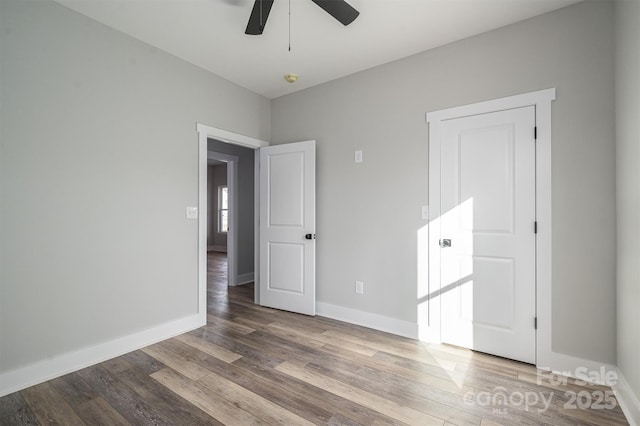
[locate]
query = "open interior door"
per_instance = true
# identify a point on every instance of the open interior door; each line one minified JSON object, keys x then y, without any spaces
{"x":287,"y":227}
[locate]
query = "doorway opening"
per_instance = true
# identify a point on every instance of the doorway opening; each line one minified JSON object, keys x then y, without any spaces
{"x":237,"y":152}
{"x":283,"y":196}
{"x":218,"y":206}
{"x":230,"y":221}
{"x":218,"y":212}
{"x":222,"y":207}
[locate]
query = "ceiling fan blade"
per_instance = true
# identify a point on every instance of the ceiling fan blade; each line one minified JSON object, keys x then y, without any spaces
{"x":258,"y":18}
{"x":339,"y":9}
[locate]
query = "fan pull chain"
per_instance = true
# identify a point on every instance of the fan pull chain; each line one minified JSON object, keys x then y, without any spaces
{"x":289,"y":25}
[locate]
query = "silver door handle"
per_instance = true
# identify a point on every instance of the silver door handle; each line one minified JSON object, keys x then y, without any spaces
{"x":444,"y":243}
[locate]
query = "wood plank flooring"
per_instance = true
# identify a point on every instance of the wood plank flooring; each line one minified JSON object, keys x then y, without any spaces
{"x":252,"y":365}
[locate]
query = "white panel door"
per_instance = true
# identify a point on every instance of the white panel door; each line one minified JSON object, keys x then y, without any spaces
{"x":488,"y":213}
{"x":287,"y":227}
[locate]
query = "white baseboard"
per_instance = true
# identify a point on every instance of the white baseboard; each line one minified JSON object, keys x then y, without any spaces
{"x":367,"y":319}
{"x":245,"y":278}
{"x":222,"y":249}
{"x":41,"y":371}
{"x":628,"y":400}
{"x":579,"y":368}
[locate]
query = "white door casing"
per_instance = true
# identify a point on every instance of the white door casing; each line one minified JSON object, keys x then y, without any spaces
{"x":205,"y":133}
{"x":429,"y":310}
{"x":287,"y":227}
{"x":487,"y":211}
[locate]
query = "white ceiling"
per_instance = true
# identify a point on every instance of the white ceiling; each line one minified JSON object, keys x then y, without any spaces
{"x":210,"y":33}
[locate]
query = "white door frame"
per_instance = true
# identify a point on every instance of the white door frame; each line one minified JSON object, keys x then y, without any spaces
{"x":232,"y":234}
{"x":430,"y":323}
{"x":204,"y":134}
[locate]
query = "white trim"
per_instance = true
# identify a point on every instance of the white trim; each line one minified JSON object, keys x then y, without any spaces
{"x":245,"y":278}
{"x":204,"y":133}
{"x":202,"y":221}
{"x":579,"y":368}
{"x":230,"y":137}
{"x":628,"y":400}
{"x":221,"y":156}
{"x":542,"y":102}
{"x":33,"y":374}
{"x":221,"y":249}
{"x":256,"y":226}
{"x":544,"y":333}
{"x":509,"y":102}
{"x":367,"y":319}
{"x":232,"y":233}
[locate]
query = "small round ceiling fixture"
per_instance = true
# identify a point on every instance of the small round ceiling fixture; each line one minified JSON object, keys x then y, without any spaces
{"x":291,"y":78}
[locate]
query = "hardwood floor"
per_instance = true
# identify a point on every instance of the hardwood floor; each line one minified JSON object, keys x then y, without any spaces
{"x":252,"y":365}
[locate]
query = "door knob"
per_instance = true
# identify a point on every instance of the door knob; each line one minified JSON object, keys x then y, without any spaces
{"x":444,"y":243}
{"x":310,"y":236}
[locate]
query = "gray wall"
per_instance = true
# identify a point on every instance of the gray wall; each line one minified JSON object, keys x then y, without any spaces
{"x":216,"y":176}
{"x":369,"y":214}
{"x":245,"y":213}
{"x":99,"y":159}
{"x":627,"y":24}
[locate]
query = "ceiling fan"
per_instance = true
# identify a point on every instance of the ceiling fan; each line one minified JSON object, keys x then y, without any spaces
{"x":339,"y":9}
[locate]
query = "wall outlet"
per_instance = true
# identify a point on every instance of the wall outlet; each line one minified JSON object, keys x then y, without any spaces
{"x":359,"y":287}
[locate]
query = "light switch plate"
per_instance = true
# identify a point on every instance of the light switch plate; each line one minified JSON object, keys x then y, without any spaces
{"x":359,"y":156}
{"x":192,"y":212}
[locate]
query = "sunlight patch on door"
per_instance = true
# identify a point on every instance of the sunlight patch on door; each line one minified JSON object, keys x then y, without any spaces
{"x":457,"y":276}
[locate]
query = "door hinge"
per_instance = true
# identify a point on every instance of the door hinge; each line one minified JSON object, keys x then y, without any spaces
{"x":535,"y":227}
{"x":535,"y":323}
{"x":535,"y":133}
